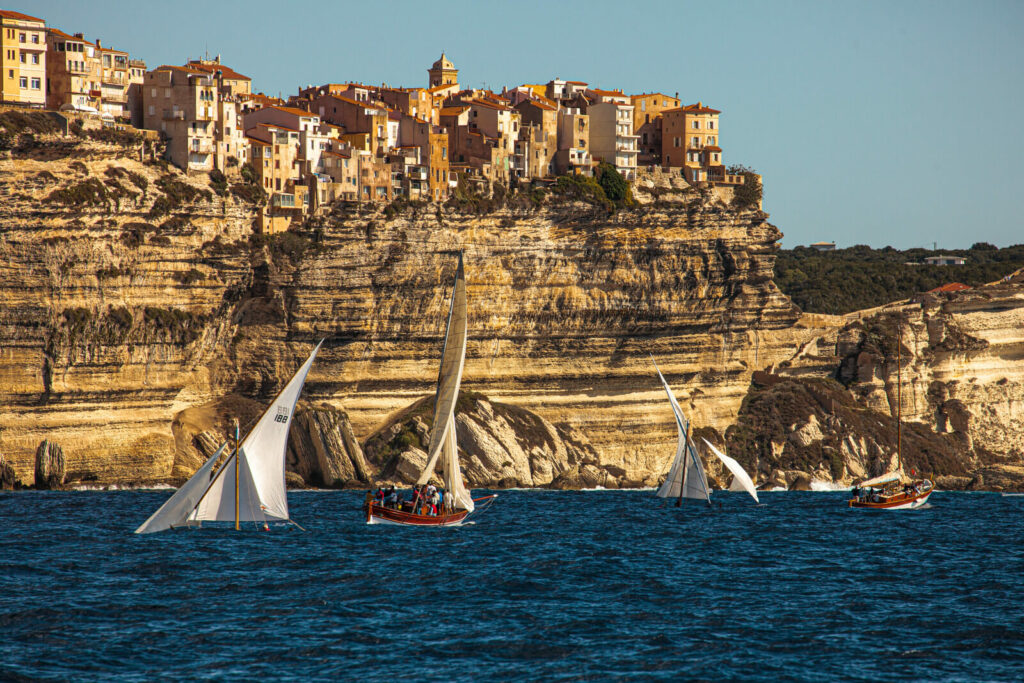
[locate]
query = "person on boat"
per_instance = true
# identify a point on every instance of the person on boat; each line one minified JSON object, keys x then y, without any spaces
{"x":855,"y":492}
{"x":369,"y":497}
{"x":435,"y":501}
{"x":440,"y":499}
{"x":391,"y":500}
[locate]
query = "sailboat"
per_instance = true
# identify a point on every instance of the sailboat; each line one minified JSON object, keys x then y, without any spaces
{"x":458,"y":504}
{"x":891,"y":494}
{"x":249,"y":486}
{"x":686,"y":475}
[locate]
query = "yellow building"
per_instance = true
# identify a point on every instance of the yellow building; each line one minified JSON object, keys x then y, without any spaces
{"x":22,"y":59}
{"x":689,"y":140}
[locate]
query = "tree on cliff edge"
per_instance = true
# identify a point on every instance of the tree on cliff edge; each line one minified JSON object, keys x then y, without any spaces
{"x":615,"y":187}
{"x":749,"y":193}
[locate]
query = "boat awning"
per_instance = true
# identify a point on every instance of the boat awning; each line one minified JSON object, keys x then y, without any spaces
{"x":882,"y":479}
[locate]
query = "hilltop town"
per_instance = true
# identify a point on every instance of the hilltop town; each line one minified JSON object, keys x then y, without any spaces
{"x":357,"y":142}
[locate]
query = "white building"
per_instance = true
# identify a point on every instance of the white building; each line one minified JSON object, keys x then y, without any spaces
{"x":611,"y":136}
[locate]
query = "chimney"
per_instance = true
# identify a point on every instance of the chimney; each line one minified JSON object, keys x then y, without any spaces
{"x":80,"y":36}
{"x":217,"y":59}
{"x":98,"y":44}
{"x":677,"y":94}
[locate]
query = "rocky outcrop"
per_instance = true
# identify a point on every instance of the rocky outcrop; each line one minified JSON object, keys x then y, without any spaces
{"x":322,"y":449}
{"x":8,"y":479}
{"x":500,"y":446}
{"x":132,"y":299}
{"x":49,"y":470}
{"x":957,"y":380}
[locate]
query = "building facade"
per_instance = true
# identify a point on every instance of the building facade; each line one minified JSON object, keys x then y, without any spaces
{"x":22,"y":59}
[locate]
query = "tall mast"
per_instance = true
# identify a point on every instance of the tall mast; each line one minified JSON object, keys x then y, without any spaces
{"x":686,"y":455}
{"x":899,"y":394}
{"x":236,"y":475}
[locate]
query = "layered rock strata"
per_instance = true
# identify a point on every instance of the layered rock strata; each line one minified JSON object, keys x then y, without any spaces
{"x":144,"y":294}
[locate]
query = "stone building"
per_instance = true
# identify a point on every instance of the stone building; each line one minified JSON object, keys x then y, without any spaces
{"x":647,"y":122}
{"x":73,"y":72}
{"x":181,"y":102}
{"x":690,"y":141}
{"x":573,"y":155}
{"x":22,"y":59}
{"x":443,"y":73}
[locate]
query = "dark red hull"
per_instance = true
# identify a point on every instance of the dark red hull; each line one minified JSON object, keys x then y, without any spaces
{"x":378,"y":514}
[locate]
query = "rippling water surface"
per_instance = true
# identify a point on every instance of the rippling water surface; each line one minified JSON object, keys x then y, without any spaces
{"x":552,"y":585}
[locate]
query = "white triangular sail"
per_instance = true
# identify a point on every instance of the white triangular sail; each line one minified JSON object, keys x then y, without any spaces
{"x":262,"y":495}
{"x":178,"y":507}
{"x":738,"y":473}
{"x":686,"y":474}
{"x":443,"y":444}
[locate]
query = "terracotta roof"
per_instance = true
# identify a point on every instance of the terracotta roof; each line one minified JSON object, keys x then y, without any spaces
{"x":616,"y":93}
{"x":185,"y":69}
{"x":452,"y":111}
{"x":276,"y":126}
{"x":349,"y":100}
{"x":698,"y":108}
{"x":8,"y":14}
{"x":652,"y":94}
{"x":227,"y":72}
{"x":951,"y":287}
{"x":438,"y":88}
{"x":575,"y":83}
{"x":65,"y":36}
{"x":488,"y":105}
{"x":540,"y":104}
{"x":713,"y":148}
{"x":292,"y":110}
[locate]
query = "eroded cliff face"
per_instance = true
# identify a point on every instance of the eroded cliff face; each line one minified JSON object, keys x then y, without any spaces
{"x":115,"y":320}
{"x":125,"y":308}
{"x":958,"y":378}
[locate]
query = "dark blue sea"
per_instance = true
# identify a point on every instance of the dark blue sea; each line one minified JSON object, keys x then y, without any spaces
{"x":595,"y":585}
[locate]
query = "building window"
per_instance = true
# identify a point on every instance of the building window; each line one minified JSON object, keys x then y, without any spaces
{"x":676,"y":142}
{"x":23,"y":82}
{"x":21,"y":38}
{"x":711,"y":124}
{"x":37,"y":84}
{"x":23,"y":57}
{"x":696,"y":125}
{"x":717,"y":156}
{"x":35,"y":59}
{"x":35,"y":38}
{"x":696,"y":140}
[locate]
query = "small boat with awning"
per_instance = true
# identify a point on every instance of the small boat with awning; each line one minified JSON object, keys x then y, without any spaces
{"x":894,"y":490}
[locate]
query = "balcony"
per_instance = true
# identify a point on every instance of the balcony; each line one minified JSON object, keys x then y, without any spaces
{"x":201,"y":147}
{"x":281,"y":200}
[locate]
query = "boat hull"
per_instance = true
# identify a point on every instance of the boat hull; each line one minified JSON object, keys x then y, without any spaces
{"x":906,"y":501}
{"x":378,"y":514}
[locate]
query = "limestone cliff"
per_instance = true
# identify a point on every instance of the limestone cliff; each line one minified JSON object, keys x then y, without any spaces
{"x":133,"y":293}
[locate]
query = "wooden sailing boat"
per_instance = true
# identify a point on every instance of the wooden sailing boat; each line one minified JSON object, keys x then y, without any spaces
{"x":458,"y":504}
{"x":686,"y":475}
{"x":249,"y":486}
{"x":891,"y":493}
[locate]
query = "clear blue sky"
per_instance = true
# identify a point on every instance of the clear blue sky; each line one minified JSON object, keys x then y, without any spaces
{"x":883,"y":123}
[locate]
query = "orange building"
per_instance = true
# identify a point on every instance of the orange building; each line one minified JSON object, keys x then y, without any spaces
{"x":647,"y":123}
